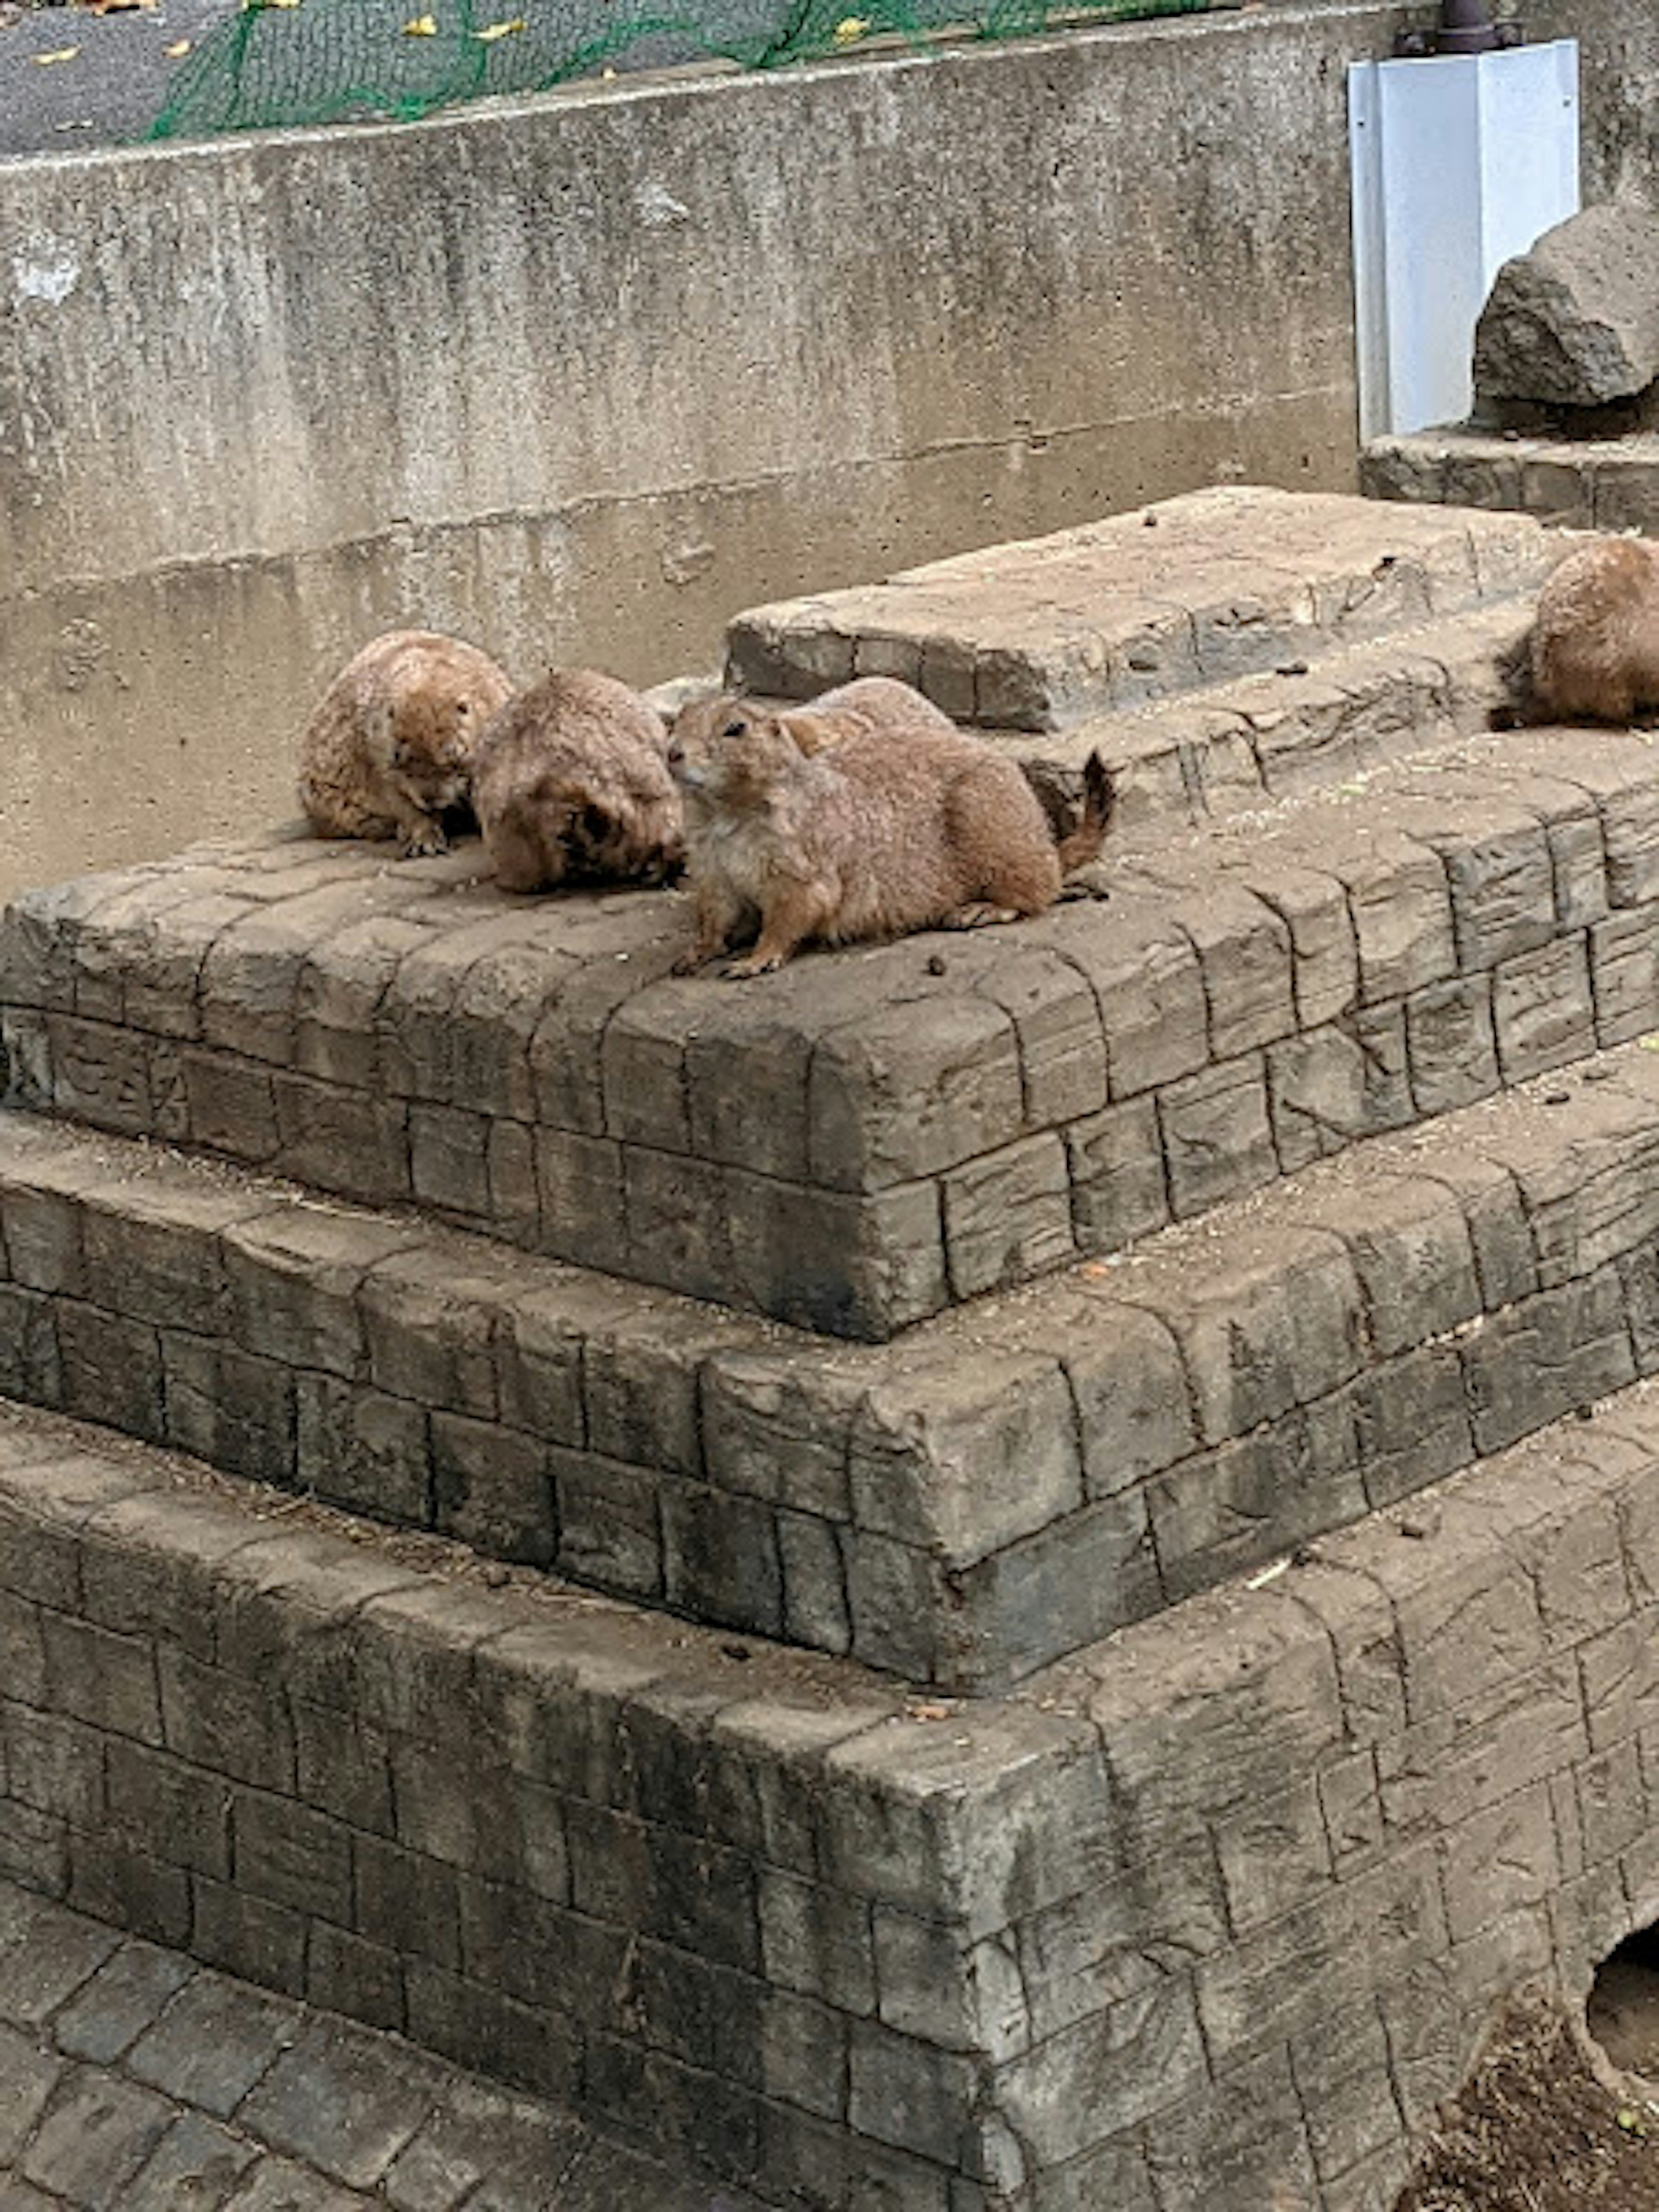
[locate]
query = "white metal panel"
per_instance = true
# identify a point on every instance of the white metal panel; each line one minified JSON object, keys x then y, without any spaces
{"x":1529,"y":149}
{"x":1457,"y":162}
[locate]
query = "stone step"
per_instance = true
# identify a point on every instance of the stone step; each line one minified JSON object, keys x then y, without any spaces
{"x":1192,"y":591}
{"x":1239,"y":747}
{"x":1004,"y":1484}
{"x":871,"y":1136}
{"x":1216,"y":1915}
{"x":1590,"y":483}
{"x":134,"y":2076}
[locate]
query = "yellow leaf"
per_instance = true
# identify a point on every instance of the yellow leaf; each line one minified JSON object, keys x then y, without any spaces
{"x":61,"y":54}
{"x":851,"y":28}
{"x":178,"y":50}
{"x":491,"y":32}
{"x":421,"y":26}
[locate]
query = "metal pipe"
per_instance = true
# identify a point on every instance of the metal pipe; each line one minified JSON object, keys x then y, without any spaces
{"x":1466,"y":27}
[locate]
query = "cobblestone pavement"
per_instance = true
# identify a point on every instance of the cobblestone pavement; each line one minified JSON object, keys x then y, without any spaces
{"x":132,"y":2079}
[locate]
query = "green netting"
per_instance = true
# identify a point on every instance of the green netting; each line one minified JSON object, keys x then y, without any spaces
{"x":280,"y":62}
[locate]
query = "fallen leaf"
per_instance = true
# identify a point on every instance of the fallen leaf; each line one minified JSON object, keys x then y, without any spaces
{"x":178,"y":49}
{"x":61,"y":54}
{"x":421,"y":26}
{"x":851,"y":28}
{"x":111,"y":7}
{"x":491,"y":32}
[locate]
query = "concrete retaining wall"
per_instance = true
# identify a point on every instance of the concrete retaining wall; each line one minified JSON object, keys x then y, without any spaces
{"x":582,"y":376}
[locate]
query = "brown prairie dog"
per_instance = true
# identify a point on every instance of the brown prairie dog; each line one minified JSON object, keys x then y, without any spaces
{"x":388,"y":748}
{"x":570,"y":783}
{"x":1593,"y":651}
{"x":868,"y":815}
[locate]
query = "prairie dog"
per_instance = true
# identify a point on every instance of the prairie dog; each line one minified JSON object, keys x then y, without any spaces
{"x":1593,"y":651}
{"x":836,"y":823}
{"x":570,"y":783}
{"x":389,"y":746}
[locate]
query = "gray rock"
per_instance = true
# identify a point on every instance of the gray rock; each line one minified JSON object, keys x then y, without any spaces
{"x":1576,"y":321}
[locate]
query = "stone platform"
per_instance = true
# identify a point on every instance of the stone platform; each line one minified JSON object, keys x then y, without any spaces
{"x":867,"y":1138}
{"x":994,"y":1490}
{"x":1190,"y":592}
{"x":1208,"y":1919}
{"x":860,"y":1142}
{"x":1009,"y":1574}
{"x":1588,"y":484}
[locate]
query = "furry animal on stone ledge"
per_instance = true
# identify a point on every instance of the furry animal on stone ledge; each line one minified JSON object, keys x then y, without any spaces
{"x":860,"y":817}
{"x":570,"y":785}
{"x":1592,"y":652}
{"x":388,"y":751}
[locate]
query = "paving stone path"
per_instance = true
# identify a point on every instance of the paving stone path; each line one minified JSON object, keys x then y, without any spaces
{"x":132,"y":2079}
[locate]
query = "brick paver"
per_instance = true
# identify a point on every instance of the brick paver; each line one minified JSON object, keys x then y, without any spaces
{"x":132,"y":2079}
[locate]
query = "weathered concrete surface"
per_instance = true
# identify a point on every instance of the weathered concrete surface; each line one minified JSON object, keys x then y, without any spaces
{"x":684,"y":367}
{"x":133,"y":2079}
{"x":1575,"y":321}
{"x":1187,"y":593}
{"x":994,"y":1490}
{"x":1213,"y":1917}
{"x":1599,"y":483}
{"x":1302,"y":728}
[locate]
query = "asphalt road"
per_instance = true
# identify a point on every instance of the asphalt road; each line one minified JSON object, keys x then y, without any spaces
{"x":109,"y":91}
{"x":110,"y":88}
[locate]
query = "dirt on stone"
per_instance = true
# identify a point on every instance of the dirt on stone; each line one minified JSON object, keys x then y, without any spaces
{"x":1536,"y":2132}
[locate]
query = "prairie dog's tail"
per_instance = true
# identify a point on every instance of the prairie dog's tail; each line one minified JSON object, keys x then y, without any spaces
{"x":1518,"y":705}
{"x":1082,"y":844}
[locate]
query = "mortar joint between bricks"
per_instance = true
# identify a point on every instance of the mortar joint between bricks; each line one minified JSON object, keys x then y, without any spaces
{"x":1192,"y":944}
{"x":1351,"y":1742}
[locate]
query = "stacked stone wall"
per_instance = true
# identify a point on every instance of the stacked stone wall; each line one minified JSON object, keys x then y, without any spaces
{"x":824,"y":1152}
{"x":1009,"y":1485}
{"x":1220,"y":1913}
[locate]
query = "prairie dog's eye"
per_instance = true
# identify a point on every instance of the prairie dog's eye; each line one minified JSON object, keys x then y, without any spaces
{"x":733,"y":729}
{"x":463,"y":706}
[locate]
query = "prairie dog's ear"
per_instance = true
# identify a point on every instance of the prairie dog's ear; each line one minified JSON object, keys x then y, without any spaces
{"x":810,"y":733}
